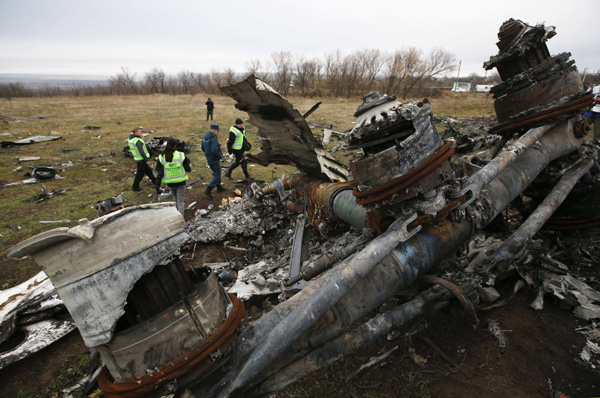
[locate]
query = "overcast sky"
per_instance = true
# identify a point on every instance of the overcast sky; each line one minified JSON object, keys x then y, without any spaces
{"x":89,"y":37}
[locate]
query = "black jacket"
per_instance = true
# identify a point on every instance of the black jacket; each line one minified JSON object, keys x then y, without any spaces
{"x":160,"y":173}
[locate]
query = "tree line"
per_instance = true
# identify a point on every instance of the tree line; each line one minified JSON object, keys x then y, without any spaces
{"x":405,"y":72}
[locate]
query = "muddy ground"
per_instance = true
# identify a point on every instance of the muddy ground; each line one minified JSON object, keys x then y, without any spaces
{"x":541,"y":353}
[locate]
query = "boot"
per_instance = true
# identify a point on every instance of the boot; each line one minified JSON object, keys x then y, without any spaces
{"x":207,"y":192}
{"x":220,"y":188}
{"x":228,"y":174}
{"x":248,"y":176}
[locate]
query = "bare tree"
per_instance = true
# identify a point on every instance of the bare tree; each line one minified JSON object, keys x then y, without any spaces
{"x":230,"y":77}
{"x":258,"y":69}
{"x":438,"y":61}
{"x":332,"y":71}
{"x":155,"y":80}
{"x":372,"y":62}
{"x":186,"y":82}
{"x":307,"y":76}
{"x":124,"y":82}
{"x":284,"y":64}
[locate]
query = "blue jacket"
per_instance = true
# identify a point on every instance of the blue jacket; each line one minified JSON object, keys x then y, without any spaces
{"x":211,"y":148}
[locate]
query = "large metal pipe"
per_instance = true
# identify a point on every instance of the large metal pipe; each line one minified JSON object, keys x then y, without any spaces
{"x":483,"y":177}
{"x":268,"y":339}
{"x":510,"y":247}
{"x":375,"y":328}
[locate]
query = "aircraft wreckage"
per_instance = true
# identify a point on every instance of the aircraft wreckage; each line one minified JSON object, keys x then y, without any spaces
{"x":408,"y":200}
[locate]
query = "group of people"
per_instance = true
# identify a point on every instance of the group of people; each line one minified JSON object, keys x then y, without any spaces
{"x":212,"y":150}
{"x":173,"y":167}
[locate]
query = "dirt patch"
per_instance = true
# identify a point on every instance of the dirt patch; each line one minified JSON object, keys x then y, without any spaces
{"x":46,"y":372}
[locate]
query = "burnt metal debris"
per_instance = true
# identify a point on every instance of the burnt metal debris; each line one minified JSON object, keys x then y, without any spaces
{"x":410,"y":202}
{"x":536,"y":87}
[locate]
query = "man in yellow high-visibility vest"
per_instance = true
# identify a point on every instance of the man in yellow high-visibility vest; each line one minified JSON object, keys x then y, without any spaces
{"x":140,"y":153}
{"x":235,"y":145}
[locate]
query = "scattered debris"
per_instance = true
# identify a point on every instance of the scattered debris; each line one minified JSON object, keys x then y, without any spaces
{"x":373,"y":361}
{"x":22,"y":118}
{"x":24,"y":327}
{"x":45,"y":195}
{"x":28,"y":141}
{"x":495,"y":330}
{"x":28,"y":158}
{"x":417,"y":359}
{"x":111,"y":204}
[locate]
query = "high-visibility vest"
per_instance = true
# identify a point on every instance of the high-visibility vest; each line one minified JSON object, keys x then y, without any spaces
{"x":174,"y":171}
{"x":239,"y":138}
{"x":134,"y":149}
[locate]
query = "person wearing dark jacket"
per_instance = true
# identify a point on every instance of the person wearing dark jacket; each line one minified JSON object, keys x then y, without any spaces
{"x":235,"y":146}
{"x":140,"y":153}
{"x":212,"y":150}
{"x":172,"y":169}
{"x":209,"y":109}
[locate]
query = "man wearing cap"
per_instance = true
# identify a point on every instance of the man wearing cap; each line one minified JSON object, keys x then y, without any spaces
{"x":235,"y":145}
{"x":140,"y":153}
{"x":212,"y":150}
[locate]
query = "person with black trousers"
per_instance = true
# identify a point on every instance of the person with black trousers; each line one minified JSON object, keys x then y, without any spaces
{"x":235,"y":146}
{"x":210,"y":106}
{"x":141,"y":155}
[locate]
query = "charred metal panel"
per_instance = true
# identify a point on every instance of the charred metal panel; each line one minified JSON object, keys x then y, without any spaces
{"x":396,"y":138}
{"x":535,"y":86}
{"x":169,"y":334}
{"x":285,"y":135}
{"x":35,"y":336}
{"x":94,"y":266}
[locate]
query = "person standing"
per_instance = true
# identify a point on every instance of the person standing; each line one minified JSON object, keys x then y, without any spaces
{"x":209,"y":109}
{"x":212,"y":150}
{"x":235,"y":145}
{"x":172,"y":169}
{"x":140,"y":153}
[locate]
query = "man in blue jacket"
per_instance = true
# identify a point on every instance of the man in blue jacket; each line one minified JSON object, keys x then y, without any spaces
{"x":212,"y":150}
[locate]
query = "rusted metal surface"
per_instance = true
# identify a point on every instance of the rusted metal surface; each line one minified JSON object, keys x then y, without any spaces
{"x":185,"y":368}
{"x":536,"y":87}
{"x":170,"y":332}
{"x":521,"y":46}
{"x":572,"y":107}
{"x":414,"y":176}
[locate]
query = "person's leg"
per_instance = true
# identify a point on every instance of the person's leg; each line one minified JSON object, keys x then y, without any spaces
{"x":149,"y":173}
{"x":244,"y":164}
{"x":139,"y":174}
{"x":216,"y":169}
{"x":239,"y":155}
{"x":179,"y":193}
{"x":216,"y":180}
